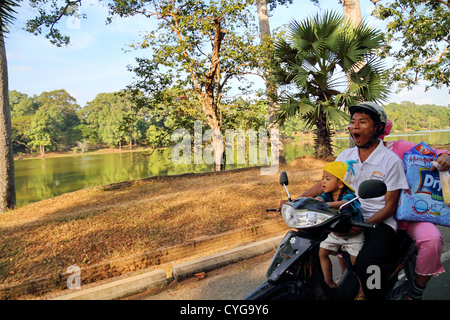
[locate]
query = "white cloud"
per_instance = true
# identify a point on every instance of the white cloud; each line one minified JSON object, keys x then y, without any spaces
{"x":17,"y":56}
{"x":81,"y":41}
{"x":20,"y":68}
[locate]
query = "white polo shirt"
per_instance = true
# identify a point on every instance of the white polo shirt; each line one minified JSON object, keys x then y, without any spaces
{"x":382,"y":164}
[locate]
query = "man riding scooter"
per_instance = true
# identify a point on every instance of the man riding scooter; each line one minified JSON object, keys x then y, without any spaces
{"x":372,"y":161}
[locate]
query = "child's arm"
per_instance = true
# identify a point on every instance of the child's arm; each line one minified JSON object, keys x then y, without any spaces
{"x":336,"y":204}
{"x":333,"y":204}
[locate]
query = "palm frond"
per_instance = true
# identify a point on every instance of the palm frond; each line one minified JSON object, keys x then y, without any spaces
{"x":7,"y":13}
{"x":290,"y":107}
{"x":369,"y":82}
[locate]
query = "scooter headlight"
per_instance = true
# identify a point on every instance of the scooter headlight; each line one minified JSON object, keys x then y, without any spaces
{"x":302,"y":218}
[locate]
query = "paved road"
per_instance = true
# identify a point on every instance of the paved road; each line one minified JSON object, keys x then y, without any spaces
{"x":235,"y":281}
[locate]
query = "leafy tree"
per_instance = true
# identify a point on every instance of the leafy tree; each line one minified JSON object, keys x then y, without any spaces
{"x":315,"y":60}
{"x":246,"y":114}
{"x":63,"y":108}
{"x":175,"y":108}
{"x":110,"y":119}
{"x":21,"y":104}
{"x":418,"y":38}
{"x":22,"y":110}
{"x":19,"y":133}
{"x":41,"y":128}
{"x":200,"y":45}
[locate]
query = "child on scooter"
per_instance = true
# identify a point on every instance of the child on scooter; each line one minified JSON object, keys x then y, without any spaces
{"x":337,"y":192}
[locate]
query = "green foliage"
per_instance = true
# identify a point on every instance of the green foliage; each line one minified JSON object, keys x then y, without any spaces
{"x":62,"y":108}
{"x":418,"y":37}
{"x":110,"y":119}
{"x":22,"y":105}
{"x":408,"y":115}
{"x":245,"y":114}
{"x":327,"y":65}
{"x":49,"y":120}
{"x":41,"y":128}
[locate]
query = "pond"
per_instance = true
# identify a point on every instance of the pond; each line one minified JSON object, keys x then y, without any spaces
{"x":38,"y":179}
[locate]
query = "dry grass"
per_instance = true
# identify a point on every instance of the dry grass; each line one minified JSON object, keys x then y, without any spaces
{"x":93,"y":226}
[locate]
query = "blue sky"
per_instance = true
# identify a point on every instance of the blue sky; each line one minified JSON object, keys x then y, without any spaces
{"x":96,"y":61}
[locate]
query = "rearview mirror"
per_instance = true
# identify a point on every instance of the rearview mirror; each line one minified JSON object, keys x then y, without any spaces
{"x":371,"y":189}
{"x":284,"y":179}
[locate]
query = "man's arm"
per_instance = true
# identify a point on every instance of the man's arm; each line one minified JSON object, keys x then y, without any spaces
{"x":391,"y":199}
{"x":314,"y":191}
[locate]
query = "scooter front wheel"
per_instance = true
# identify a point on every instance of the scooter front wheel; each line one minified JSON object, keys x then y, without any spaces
{"x":288,"y":290}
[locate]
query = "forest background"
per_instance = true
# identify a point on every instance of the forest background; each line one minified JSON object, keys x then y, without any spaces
{"x":53,"y":121}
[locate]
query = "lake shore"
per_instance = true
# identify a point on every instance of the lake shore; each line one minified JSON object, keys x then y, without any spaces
{"x":60,"y":154}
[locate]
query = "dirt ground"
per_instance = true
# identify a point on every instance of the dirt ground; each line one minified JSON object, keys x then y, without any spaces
{"x":95,"y":225}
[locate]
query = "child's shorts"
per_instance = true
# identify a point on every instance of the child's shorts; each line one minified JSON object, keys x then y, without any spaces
{"x":350,"y":244}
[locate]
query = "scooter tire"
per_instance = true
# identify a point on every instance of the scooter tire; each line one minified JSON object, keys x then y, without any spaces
{"x":273,"y":291}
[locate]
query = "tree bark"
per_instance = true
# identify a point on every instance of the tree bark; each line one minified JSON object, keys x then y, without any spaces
{"x":210,"y":101}
{"x":323,"y":138}
{"x":352,"y":11}
{"x":271,"y":89}
{"x":42,"y":150}
{"x":7,"y":180}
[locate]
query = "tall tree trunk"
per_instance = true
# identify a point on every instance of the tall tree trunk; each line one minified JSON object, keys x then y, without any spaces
{"x":7,"y":182}
{"x":352,"y":11}
{"x":271,"y":89}
{"x":42,"y":151}
{"x":323,"y":138}
{"x":210,"y":102}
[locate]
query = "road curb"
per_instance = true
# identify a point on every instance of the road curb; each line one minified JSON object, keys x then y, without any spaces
{"x":154,"y":279}
{"x":184,"y":270}
{"x":121,"y":288}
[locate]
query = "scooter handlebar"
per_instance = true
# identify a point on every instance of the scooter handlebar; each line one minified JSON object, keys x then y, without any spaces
{"x":366,"y":225}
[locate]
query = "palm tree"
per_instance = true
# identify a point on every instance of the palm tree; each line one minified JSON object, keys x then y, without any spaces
{"x":7,"y":183}
{"x":315,"y":60}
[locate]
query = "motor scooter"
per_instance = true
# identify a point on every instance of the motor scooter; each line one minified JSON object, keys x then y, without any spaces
{"x":295,"y":272}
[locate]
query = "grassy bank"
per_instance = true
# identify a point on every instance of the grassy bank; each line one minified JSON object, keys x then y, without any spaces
{"x":92,"y":226}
